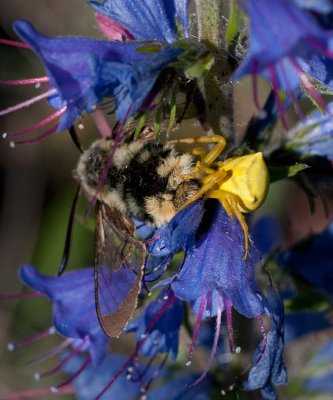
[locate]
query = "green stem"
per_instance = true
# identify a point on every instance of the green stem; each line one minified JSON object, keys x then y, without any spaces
{"x":217,"y":88}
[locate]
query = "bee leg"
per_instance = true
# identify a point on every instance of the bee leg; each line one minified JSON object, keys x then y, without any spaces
{"x":230,"y":204}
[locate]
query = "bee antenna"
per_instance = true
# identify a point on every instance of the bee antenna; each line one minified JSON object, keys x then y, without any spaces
{"x":75,"y":138}
{"x":65,"y":255}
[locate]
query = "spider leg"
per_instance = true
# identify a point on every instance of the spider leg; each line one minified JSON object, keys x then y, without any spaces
{"x":230,"y":204}
{"x":208,"y":183}
{"x":212,"y":155}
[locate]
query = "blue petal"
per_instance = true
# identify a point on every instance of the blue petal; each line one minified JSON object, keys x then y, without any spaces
{"x":266,"y":233}
{"x":179,"y":232}
{"x":74,"y":313}
{"x":144,"y":19}
{"x":164,"y":335}
{"x":313,"y":261}
{"x":177,"y":389}
{"x":69,"y":62}
{"x":313,"y":136}
{"x":131,"y":84}
{"x":270,"y":370}
{"x":299,"y":323}
{"x":273,"y":50}
{"x":93,"y":380}
{"x":320,"y":6}
{"x":216,"y":263}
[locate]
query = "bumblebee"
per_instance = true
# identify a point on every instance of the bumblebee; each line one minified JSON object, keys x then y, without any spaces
{"x":145,"y":180}
{"x":140,"y":179}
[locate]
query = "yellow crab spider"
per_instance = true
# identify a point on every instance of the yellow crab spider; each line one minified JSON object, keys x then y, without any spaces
{"x":239,"y":183}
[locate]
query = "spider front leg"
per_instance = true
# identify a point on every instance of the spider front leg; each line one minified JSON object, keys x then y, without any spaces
{"x":211,"y":156}
{"x":230,"y":203}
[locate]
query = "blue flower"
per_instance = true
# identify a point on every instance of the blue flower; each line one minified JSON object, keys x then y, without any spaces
{"x":314,"y":135}
{"x":322,"y":362}
{"x":163,"y":336}
{"x":94,"y":379}
{"x":214,"y":261}
{"x":147,"y":19}
{"x":282,"y":55}
{"x":312,"y":261}
{"x":84,"y":71}
{"x":269,"y":368}
{"x":74,"y":314}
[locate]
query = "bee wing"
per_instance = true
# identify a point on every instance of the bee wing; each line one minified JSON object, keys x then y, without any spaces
{"x":119,"y":263}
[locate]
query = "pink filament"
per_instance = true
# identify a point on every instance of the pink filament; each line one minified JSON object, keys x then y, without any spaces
{"x":29,"y":102}
{"x":39,"y":124}
{"x":33,"y":339}
{"x":138,"y":347}
{"x":255,"y":85}
{"x":34,"y":394}
{"x":264,"y":334}
{"x":14,"y":43}
{"x":18,"y":296}
{"x":320,"y":46}
{"x":275,"y":85}
{"x":55,"y":350}
{"x":229,"y":324}
{"x":308,"y":85}
{"x":216,"y":339}
{"x":157,"y":316}
{"x":39,"y":137}
{"x":197,"y":327}
{"x":84,"y":365}
{"x":67,"y":358}
{"x":31,"y":81}
{"x":102,"y":123}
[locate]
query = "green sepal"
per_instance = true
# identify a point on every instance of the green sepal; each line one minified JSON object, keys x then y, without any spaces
{"x":278,"y":173}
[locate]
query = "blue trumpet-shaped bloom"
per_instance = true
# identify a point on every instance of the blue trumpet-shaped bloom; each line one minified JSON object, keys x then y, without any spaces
{"x":90,"y":383}
{"x":74,"y":313}
{"x":84,"y":71}
{"x":163,"y":336}
{"x":269,"y":368}
{"x":314,"y":135}
{"x":146,"y":19}
{"x":215,"y":262}
{"x":282,"y":55}
{"x":313,"y":262}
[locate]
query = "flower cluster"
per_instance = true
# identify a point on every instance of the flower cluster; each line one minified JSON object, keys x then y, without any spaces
{"x":178,"y":251}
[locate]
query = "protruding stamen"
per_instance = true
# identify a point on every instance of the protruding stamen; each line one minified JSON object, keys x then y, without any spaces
{"x":30,"y":81}
{"x":37,"y":138}
{"x":264,"y":334}
{"x":55,"y":350}
{"x":29,"y":102}
{"x":309,"y":86}
{"x":39,"y":124}
{"x":67,"y":358}
{"x":216,"y":339}
{"x":275,"y":86}
{"x":255,"y":85}
{"x":31,"y":340}
{"x":102,"y":123}
{"x":228,"y":307}
{"x":196,"y":329}
{"x":36,"y":394}
{"x":14,"y":43}
{"x":83,"y":366}
{"x":18,"y":296}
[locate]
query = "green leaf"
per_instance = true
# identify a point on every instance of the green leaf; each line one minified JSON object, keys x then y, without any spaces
{"x":139,"y":127}
{"x":150,"y":48}
{"x":278,"y":173}
{"x":233,"y":24}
